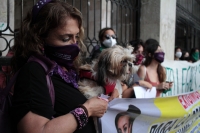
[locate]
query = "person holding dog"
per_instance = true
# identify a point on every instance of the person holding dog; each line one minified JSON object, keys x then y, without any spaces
{"x":52,"y":30}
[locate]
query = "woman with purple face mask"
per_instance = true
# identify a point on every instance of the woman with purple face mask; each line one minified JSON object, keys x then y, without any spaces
{"x":151,"y":70}
{"x":53,"y":31}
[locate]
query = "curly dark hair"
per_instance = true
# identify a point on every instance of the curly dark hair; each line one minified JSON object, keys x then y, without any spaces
{"x":136,"y":44}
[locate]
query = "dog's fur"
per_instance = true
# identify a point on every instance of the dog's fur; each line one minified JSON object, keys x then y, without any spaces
{"x":111,"y":67}
{"x":130,"y":68}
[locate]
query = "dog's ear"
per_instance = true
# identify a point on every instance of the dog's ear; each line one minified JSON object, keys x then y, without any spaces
{"x":102,"y":66}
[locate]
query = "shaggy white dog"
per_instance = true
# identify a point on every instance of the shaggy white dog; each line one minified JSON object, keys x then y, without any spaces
{"x":106,"y":73}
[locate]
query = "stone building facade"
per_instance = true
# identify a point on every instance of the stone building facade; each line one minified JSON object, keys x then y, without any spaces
{"x":171,"y":22}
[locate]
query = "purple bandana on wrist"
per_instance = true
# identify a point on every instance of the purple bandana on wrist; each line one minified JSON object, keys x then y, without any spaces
{"x":37,"y":7}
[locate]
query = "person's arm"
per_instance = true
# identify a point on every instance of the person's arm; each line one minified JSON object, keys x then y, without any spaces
{"x":169,"y":82}
{"x":170,"y":85}
{"x":127,"y":93}
{"x":114,"y":94}
{"x":33,"y":123}
{"x":141,"y":72}
{"x":32,"y":107}
{"x":163,"y":85}
{"x":145,"y":84}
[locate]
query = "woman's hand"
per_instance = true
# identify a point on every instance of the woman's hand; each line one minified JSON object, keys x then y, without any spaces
{"x":124,"y":86}
{"x":163,"y":86}
{"x":115,"y":94}
{"x":170,"y":84}
{"x":96,"y":107}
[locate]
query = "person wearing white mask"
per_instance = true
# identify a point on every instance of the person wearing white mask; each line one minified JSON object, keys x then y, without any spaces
{"x":110,"y":40}
{"x":107,"y":39}
{"x":178,"y":53}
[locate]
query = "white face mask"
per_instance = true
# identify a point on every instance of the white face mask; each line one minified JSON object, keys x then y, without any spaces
{"x":178,"y":54}
{"x":109,"y":42}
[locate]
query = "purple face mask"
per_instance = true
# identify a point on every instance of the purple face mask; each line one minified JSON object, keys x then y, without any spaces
{"x":63,"y":55}
{"x":159,"y":57}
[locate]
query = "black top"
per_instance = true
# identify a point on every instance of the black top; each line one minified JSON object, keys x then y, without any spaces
{"x":31,"y":94}
{"x":95,"y":52}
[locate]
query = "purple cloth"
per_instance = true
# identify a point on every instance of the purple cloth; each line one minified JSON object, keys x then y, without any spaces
{"x":37,"y":7}
{"x":159,"y":56}
{"x":69,"y":77}
{"x":62,"y":55}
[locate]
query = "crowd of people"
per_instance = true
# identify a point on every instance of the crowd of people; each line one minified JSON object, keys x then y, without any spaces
{"x":53,"y":30}
{"x":192,"y":56}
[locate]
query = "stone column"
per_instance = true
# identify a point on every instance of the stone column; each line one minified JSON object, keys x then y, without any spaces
{"x":158,"y":18}
{"x":104,"y":13}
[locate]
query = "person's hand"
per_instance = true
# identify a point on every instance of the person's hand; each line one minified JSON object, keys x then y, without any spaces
{"x":145,"y":84}
{"x":96,"y":106}
{"x":115,"y":94}
{"x":163,"y":86}
{"x":124,"y":86}
{"x":170,"y":84}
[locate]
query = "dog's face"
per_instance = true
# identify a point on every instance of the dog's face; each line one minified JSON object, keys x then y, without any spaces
{"x":128,"y":70}
{"x":129,"y":66}
{"x":112,"y":64}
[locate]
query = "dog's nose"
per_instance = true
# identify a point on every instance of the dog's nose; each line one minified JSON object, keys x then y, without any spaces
{"x":130,"y":64}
